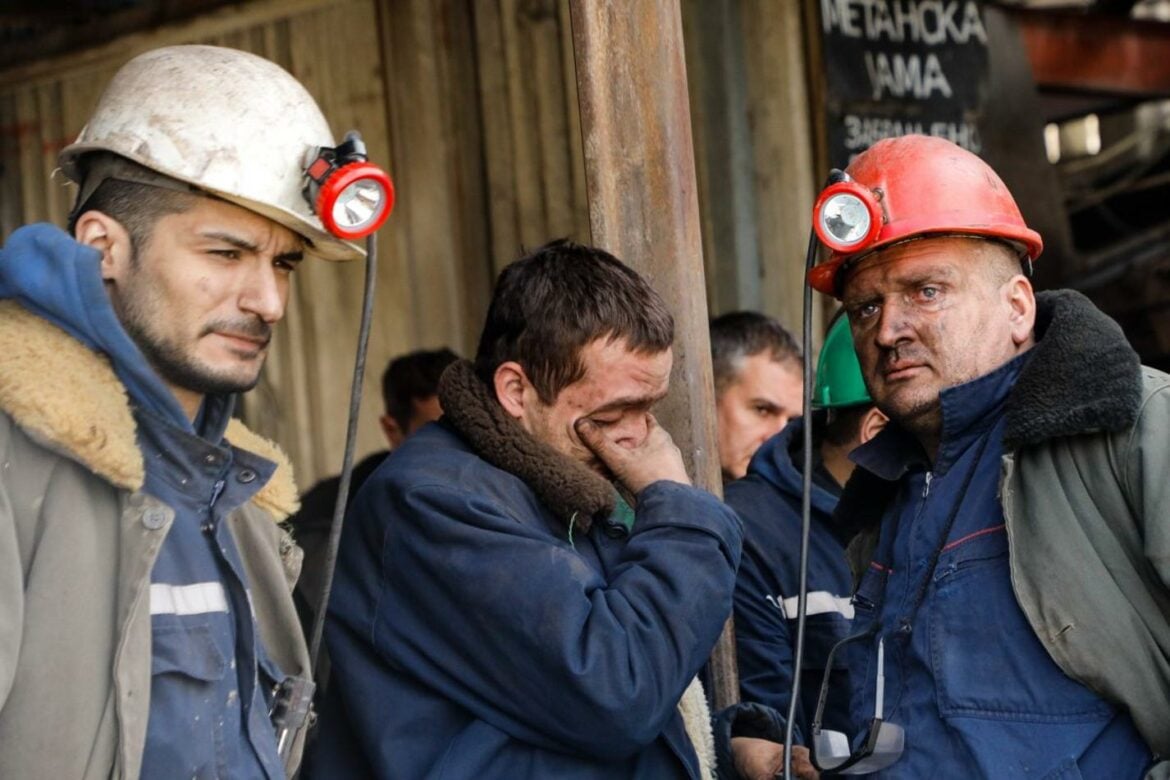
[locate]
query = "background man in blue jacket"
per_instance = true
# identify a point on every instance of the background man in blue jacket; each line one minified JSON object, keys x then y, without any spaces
{"x":410,"y":399}
{"x":758,"y":384}
{"x":768,"y":500}
{"x":1013,"y":560}
{"x":500,"y":611}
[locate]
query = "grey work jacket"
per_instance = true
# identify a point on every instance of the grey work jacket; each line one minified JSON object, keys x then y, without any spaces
{"x":77,"y":544}
{"x":1088,"y":523}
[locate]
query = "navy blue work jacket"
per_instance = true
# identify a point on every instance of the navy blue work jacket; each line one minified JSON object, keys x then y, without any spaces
{"x":211,"y":680}
{"x":965,"y":675}
{"x":472,"y":638}
{"x":768,"y":500}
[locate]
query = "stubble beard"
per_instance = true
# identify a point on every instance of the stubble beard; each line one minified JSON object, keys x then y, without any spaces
{"x":919,"y":416}
{"x":170,"y":360}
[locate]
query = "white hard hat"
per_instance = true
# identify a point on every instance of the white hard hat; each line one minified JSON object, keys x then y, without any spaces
{"x":229,"y":123}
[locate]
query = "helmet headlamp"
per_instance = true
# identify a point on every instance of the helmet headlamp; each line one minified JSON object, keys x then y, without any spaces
{"x":847,"y":217}
{"x":352,"y":196}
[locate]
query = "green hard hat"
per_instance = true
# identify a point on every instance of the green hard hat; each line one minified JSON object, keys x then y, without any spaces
{"x":839,"y":381}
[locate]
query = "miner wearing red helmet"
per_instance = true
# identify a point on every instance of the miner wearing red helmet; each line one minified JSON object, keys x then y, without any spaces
{"x":1015,"y":555}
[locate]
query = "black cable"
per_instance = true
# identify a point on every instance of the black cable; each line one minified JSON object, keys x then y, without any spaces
{"x":805,"y":507}
{"x":355,"y":402}
{"x":810,"y":257}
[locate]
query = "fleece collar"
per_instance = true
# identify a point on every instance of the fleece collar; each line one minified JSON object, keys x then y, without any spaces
{"x":568,"y":488}
{"x":1083,"y":376}
{"x":60,"y":391}
{"x":60,"y":280}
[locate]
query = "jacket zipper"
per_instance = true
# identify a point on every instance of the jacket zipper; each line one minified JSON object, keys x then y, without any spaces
{"x":215,"y":491}
{"x":209,"y":526}
{"x":926,"y":484}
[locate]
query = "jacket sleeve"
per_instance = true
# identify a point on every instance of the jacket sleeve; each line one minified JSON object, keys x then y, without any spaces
{"x":763,"y":642}
{"x":11,"y":583}
{"x":521,"y":630}
{"x":1147,"y":468}
{"x":746,"y":719}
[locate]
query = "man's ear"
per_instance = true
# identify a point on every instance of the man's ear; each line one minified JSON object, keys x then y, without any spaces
{"x":872,"y":424}
{"x":513,"y":390}
{"x":105,"y":234}
{"x":1021,"y":300}
{"x":394,"y":433}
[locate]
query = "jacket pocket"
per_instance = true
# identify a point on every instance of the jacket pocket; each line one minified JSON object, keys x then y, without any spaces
{"x":188,"y":669}
{"x":187,"y":650}
{"x":987,"y":661}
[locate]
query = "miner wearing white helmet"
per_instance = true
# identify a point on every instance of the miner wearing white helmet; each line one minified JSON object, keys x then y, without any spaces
{"x":145,"y":609}
{"x":1012,"y":616}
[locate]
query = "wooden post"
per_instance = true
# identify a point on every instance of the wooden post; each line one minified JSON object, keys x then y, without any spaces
{"x":643,"y":207}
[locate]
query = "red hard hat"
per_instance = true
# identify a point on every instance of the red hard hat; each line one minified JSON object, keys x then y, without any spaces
{"x":918,"y":185}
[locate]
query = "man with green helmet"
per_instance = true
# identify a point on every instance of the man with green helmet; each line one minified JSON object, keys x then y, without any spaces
{"x":768,"y":500}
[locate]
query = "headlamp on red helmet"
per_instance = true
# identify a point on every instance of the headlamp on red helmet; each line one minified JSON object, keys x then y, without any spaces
{"x":352,"y":196}
{"x":847,"y":217}
{"x":912,"y":187}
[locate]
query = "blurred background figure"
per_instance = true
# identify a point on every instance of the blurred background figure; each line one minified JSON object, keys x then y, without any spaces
{"x":758,"y":384}
{"x":410,"y":395}
{"x":768,"y":500}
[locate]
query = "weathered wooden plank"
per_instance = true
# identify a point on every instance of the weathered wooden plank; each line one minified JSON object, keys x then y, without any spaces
{"x":220,"y":22}
{"x":494,"y":90}
{"x":785,"y":164}
{"x":577,"y":184}
{"x":717,"y":78}
{"x":639,"y":162}
{"x":469,"y":217}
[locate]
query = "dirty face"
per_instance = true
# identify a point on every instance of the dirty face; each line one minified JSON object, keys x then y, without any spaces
{"x":202,"y":294}
{"x":617,"y":391}
{"x":755,"y":405}
{"x":931,"y":314}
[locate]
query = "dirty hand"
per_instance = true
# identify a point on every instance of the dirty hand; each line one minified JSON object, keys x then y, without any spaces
{"x":761,"y":759}
{"x":636,"y":467}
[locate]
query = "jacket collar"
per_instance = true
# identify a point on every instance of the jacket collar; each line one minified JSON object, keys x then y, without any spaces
{"x":68,"y":397}
{"x":568,"y":488}
{"x":779,"y":461}
{"x":1083,"y":376}
{"x":969,"y":410}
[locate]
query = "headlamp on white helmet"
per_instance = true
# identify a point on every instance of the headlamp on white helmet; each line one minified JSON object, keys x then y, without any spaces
{"x":351,"y":195}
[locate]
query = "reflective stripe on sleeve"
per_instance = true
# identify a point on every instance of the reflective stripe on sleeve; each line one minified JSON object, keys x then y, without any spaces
{"x":819,"y":603}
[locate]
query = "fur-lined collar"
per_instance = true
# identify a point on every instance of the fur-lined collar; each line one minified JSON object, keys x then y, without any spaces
{"x":568,"y":488}
{"x":58,"y":390}
{"x":1083,"y":375}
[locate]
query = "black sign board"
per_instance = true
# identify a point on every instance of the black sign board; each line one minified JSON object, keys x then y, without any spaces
{"x":894,"y":67}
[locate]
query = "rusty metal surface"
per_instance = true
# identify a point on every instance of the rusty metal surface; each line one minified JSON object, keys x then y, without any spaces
{"x":643,"y":207}
{"x":1097,"y":53}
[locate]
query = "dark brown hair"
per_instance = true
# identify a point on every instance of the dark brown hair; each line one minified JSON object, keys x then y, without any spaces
{"x":550,"y":304}
{"x":136,"y":207}
{"x":413,"y":377}
{"x":740,"y":335}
